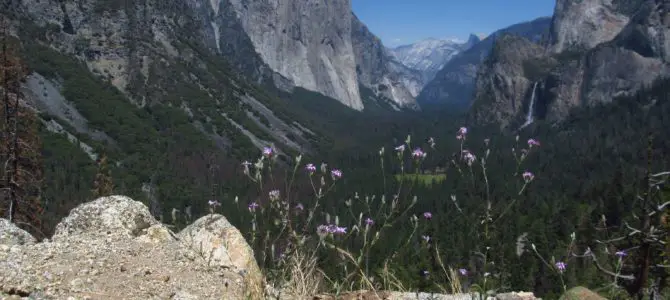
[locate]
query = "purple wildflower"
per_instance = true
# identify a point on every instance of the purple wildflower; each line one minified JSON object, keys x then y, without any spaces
{"x":338,"y":230}
{"x":528,"y":176}
{"x":533,"y":142}
{"x":400,"y":148}
{"x":253,"y":206}
{"x":428,"y":215}
{"x":461,"y":133}
{"x":469,"y":157}
{"x":418,"y":153}
{"x":560,"y":266}
{"x":311,"y":168}
{"x":323,"y":230}
{"x":336,"y":174}
{"x":369,"y":222}
{"x":621,"y":253}
{"x":268,"y":151}
{"x":299,"y":206}
{"x":463,"y":272}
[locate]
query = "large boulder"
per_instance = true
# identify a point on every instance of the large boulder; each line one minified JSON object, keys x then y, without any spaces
{"x":117,"y":215}
{"x":113,"y":248}
{"x":222,"y":245}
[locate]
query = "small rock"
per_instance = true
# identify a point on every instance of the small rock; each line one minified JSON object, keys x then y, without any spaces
{"x":10,"y":234}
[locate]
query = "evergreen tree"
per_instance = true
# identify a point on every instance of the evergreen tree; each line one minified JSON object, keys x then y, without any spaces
{"x":102,"y":185}
{"x":20,"y":147}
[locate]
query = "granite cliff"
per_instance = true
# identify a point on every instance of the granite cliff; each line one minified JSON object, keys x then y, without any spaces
{"x":626,"y":51}
{"x":321,"y":46}
{"x":378,"y":70}
{"x":285,"y":44}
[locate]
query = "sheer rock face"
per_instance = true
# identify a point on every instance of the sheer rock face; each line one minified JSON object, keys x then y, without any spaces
{"x":308,"y":42}
{"x":598,"y":51}
{"x":618,"y":66}
{"x":151,"y":50}
{"x":323,"y":47}
{"x":583,"y":24}
{"x":502,"y":81}
{"x":379,"y":71}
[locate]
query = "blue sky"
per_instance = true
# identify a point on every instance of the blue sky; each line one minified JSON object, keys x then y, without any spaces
{"x":399,"y":22}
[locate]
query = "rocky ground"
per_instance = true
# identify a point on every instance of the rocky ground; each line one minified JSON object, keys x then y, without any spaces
{"x":112,"y":248}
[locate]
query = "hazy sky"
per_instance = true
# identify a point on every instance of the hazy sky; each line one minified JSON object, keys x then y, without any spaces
{"x":399,"y":22}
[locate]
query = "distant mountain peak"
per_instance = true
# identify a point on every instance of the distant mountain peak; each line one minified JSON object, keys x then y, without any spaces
{"x":474,"y":38}
{"x":429,"y":55}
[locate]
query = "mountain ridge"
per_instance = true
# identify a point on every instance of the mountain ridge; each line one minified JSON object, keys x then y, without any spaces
{"x":429,"y":55}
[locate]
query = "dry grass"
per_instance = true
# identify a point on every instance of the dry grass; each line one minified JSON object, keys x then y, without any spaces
{"x":452,"y":276}
{"x":304,"y":277}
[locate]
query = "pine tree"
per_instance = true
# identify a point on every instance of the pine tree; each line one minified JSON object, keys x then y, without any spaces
{"x":102,"y":185}
{"x":20,"y":147}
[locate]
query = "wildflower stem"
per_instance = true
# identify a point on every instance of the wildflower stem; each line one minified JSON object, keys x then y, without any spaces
{"x":381,"y":159}
{"x":486,"y":178}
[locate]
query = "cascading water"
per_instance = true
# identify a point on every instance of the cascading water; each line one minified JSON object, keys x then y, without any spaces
{"x":531,"y":105}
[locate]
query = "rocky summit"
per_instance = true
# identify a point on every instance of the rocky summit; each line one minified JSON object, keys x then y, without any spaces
{"x":112,"y":248}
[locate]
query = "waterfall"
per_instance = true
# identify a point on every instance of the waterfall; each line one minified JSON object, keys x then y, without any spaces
{"x":217,"y":36}
{"x":531,"y":105}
